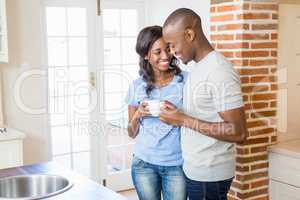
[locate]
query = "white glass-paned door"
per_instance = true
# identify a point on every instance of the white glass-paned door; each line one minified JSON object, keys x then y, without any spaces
{"x":67,"y":38}
{"x":121,"y":24}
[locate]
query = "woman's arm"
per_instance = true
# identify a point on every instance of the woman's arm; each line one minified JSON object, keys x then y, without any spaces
{"x":134,"y":116}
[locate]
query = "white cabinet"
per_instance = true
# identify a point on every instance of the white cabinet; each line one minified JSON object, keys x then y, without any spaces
{"x":11,"y":148}
{"x":284,"y":171}
{"x":283,"y":191}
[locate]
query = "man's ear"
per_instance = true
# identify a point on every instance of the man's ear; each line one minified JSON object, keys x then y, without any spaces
{"x":146,"y":57}
{"x":189,"y":34}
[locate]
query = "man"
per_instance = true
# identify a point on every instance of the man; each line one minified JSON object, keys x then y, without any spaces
{"x":212,"y":117}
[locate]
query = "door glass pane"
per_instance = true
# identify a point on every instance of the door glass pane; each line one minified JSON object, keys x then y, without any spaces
{"x":58,"y":111}
{"x":80,"y":104}
{"x":114,"y":104}
{"x":112,"y":51}
{"x":78,"y":74}
{"x":58,"y":81}
{"x":111,"y":22}
{"x":113,"y":81}
{"x":82,"y":163}
{"x":56,"y":21}
{"x":78,"y":51}
{"x":115,"y":159}
{"x":77,"y":22}
{"x":60,"y":140}
{"x":80,"y":137}
{"x":57,"y":51}
{"x":129,"y":56}
{"x":129,"y":22}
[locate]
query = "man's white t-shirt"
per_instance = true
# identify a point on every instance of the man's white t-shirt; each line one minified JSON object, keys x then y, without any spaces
{"x":213,"y":86}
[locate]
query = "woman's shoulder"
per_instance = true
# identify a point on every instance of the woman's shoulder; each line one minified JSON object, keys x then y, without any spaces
{"x":138,"y":81}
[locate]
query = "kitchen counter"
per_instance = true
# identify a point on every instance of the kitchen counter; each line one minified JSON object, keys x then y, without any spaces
{"x":83,"y":188}
{"x":11,"y":134}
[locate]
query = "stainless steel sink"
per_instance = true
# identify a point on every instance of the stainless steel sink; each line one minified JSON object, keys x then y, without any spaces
{"x":32,"y":186}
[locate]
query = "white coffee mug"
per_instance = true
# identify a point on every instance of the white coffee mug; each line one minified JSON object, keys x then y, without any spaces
{"x":154,"y":106}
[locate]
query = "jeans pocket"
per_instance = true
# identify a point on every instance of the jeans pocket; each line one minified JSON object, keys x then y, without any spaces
{"x":136,"y":162}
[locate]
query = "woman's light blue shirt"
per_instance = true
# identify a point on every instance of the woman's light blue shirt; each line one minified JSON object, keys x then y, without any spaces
{"x":157,"y":142}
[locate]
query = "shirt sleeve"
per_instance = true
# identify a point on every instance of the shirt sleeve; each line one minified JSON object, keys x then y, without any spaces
{"x":225,"y":88}
{"x":130,"y":98}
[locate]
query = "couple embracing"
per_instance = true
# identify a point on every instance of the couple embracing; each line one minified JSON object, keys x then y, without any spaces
{"x":188,"y":149}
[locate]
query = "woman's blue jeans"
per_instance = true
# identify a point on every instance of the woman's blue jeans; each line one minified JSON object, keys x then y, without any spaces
{"x":151,"y":181}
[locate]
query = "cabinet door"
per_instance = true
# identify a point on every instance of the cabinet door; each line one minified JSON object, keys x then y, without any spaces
{"x":280,"y":191}
{"x":11,"y":154}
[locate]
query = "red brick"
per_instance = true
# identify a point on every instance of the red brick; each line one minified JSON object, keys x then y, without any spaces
{"x":260,"y":183}
{"x":263,"y":79}
{"x":219,"y":1}
{"x":254,"y":16}
{"x":263,"y":97}
{"x":263,"y":62}
{"x":254,"y":193}
{"x":240,"y":62}
{"x":252,"y":36}
{"x":262,"y":198}
{"x":273,"y":104}
{"x":228,"y":8}
{"x":253,"y":106}
{"x":264,"y":45}
{"x":264,"y":7}
{"x":261,"y":132}
{"x":250,"y":54}
{"x":227,"y":54}
{"x":245,"y":97}
{"x":259,"y":149}
{"x":233,"y":27}
{"x":263,"y":114}
{"x":274,"y":87}
{"x":274,"y":16}
{"x":251,"y":159}
{"x":260,"y":166}
{"x":264,"y":26}
{"x":263,"y":140}
{"x":257,"y":123}
{"x":274,"y":53}
{"x":242,"y":169}
{"x":254,"y":71}
{"x":274,"y":138}
{"x":222,"y":37}
{"x":274,"y":36}
{"x":239,"y":45}
{"x":222,"y":18}
{"x":242,"y":151}
{"x":213,"y":9}
{"x":245,"y":80}
{"x":240,"y":186}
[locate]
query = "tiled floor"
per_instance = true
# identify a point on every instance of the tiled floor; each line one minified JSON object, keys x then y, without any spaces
{"x":130,"y":194}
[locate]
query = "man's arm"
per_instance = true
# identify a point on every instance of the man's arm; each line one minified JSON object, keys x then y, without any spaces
{"x":233,"y":129}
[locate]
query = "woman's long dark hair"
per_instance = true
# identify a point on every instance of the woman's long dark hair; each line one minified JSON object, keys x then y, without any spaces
{"x":145,"y":40}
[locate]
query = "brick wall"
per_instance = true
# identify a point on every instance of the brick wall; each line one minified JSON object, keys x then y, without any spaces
{"x":245,"y":32}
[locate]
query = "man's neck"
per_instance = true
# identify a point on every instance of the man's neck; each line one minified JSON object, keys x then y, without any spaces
{"x":203,"y":49}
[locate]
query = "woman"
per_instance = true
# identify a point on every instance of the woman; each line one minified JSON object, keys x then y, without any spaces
{"x":157,"y":161}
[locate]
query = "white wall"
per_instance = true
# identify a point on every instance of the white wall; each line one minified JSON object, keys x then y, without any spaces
{"x":158,"y":10}
{"x":25,"y":53}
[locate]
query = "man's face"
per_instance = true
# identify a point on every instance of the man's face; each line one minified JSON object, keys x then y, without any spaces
{"x":179,"y":46}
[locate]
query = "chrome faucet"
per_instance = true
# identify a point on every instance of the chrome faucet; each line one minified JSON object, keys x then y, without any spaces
{"x":3,"y":130}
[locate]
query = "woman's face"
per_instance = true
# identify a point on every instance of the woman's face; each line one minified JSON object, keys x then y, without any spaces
{"x":159,"y":56}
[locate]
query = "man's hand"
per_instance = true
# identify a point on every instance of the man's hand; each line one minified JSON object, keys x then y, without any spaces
{"x":170,"y":115}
